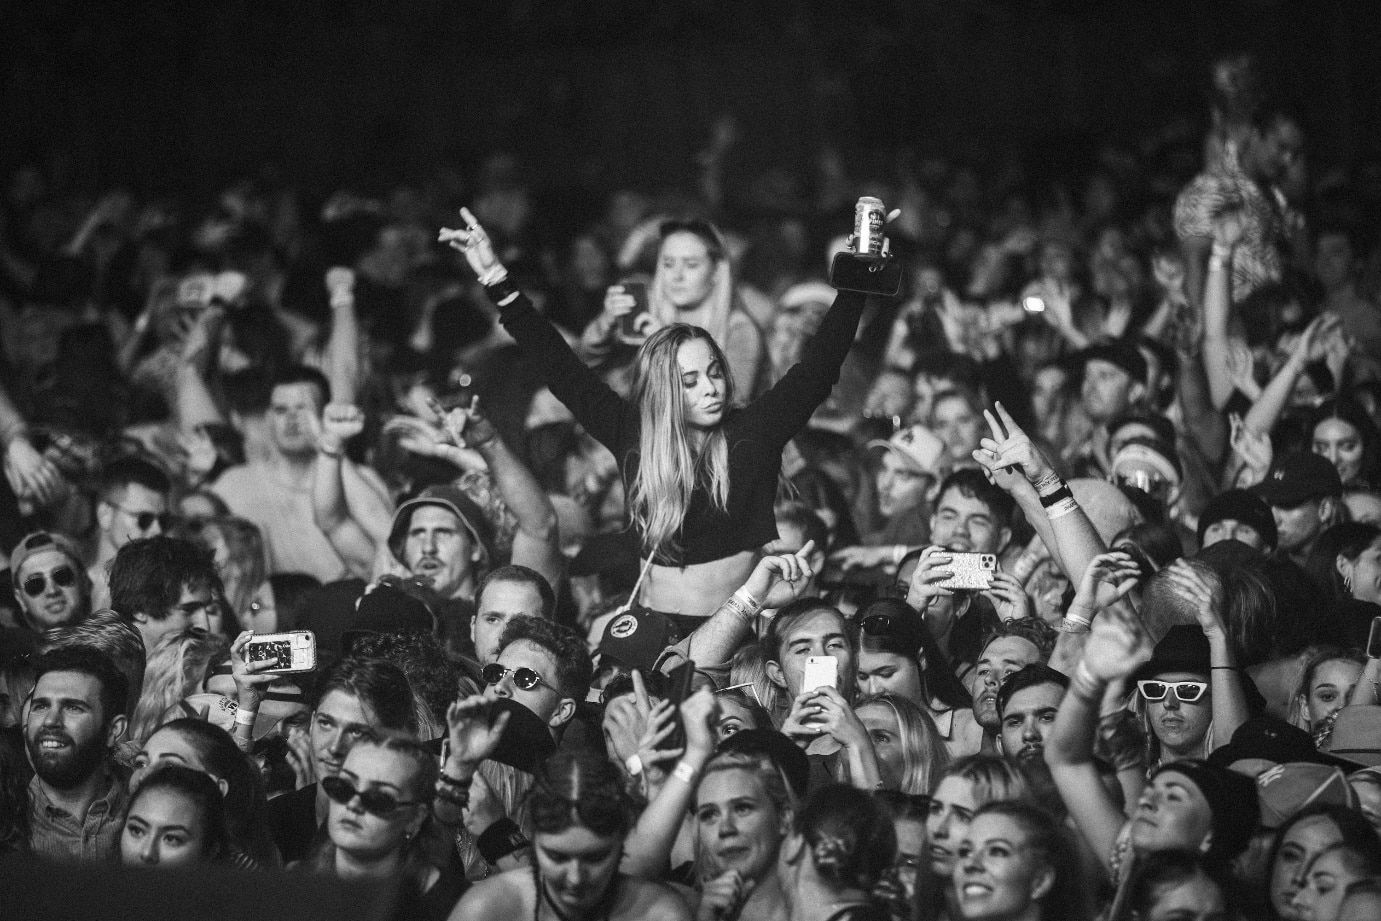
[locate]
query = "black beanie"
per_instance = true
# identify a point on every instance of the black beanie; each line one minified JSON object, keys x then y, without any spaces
{"x":1232,"y":800}
{"x":1240,"y":505}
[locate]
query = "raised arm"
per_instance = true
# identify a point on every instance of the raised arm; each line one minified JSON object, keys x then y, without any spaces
{"x":1107,"y":580}
{"x":602,"y":412}
{"x":1225,"y":678}
{"x":537,"y":542}
{"x":1217,"y":301}
{"x":1019,"y":468}
{"x":1312,"y":346}
{"x":343,"y":346}
{"x":647,"y":849}
{"x":331,"y":511}
{"x":1115,"y":648}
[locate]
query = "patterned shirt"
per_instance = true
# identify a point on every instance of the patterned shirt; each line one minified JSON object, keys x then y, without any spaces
{"x":1257,"y":259}
{"x":56,"y":833}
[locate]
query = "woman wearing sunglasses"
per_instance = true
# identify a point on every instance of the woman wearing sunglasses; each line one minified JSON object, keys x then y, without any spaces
{"x":581,"y":816}
{"x":1187,"y":804}
{"x":379,"y":803}
{"x":898,"y":656}
{"x":702,"y":512}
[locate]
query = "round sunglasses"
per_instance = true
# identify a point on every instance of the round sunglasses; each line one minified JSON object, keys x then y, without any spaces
{"x":525,"y":678}
{"x":378,"y":803}
{"x":1186,"y":692}
{"x":37,"y":584}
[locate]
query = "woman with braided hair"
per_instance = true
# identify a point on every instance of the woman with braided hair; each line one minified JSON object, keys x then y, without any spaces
{"x":838,"y":862}
{"x":580,"y":816}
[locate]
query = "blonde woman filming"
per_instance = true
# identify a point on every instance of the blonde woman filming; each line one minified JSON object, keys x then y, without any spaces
{"x":700,"y":472}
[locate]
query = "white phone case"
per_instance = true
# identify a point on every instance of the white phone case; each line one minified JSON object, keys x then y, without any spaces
{"x":821,"y":671}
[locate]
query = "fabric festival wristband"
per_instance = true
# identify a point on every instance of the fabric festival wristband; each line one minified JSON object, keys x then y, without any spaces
{"x":245,"y":717}
{"x":684,"y":773}
{"x":634,"y":765}
{"x":501,"y":291}
{"x":1063,"y":508}
{"x":1048,"y":483}
{"x":1059,"y":495}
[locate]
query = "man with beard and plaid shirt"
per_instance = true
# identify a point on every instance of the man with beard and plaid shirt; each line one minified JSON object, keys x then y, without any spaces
{"x":73,"y":719}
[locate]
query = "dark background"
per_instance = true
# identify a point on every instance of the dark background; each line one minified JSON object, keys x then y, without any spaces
{"x":183,"y":95}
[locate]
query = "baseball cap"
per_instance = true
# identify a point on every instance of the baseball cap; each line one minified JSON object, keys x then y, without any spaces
{"x":1243,"y":506}
{"x":917,"y":447}
{"x":635,"y":638}
{"x":1286,"y":789}
{"x":219,"y":711}
{"x":41,"y":541}
{"x":453,"y":500}
{"x":1118,"y":352}
{"x":1356,"y":735}
{"x":1297,"y":477}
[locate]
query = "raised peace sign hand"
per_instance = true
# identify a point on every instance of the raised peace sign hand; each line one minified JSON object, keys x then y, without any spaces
{"x":473,"y":242}
{"x":1009,"y":452}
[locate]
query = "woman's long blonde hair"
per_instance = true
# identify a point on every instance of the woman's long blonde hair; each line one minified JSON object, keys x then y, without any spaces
{"x":176,"y":668}
{"x":924,"y":756}
{"x":719,"y":304}
{"x":669,"y":463}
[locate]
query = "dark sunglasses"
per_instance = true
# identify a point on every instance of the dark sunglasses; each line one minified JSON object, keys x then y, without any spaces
{"x":1186,"y":692}
{"x":37,"y":584}
{"x":525,"y":678}
{"x":375,"y":802}
{"x":145,"y":520}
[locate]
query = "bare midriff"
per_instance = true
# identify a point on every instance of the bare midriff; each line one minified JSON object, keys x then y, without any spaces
{"x":696,"y":590}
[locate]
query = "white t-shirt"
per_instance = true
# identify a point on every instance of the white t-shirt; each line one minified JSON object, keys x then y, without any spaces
{"x":283,"y":513}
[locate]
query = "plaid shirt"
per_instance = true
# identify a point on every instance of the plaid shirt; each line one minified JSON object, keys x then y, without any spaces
{"x":56,"y":833}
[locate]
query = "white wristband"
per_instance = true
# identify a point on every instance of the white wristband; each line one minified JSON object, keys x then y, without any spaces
{"x":245,"y":717}
{"x":684,"y":773}
{"x":634,"y":764}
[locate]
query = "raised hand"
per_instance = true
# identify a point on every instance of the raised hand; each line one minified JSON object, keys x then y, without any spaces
{"x":618,"y":302}
{"x":1008,"y":597}
{"x":1009,"y":449}
{"x":250,"y":678}
{"x":32,"y":476}
{"x":698,"y":714}
{"x":1205,"y":598}
{"x":473,"y":242}
{"x":931,"y":569}
{"x":1313,"y":343}
{"x":837,"y":719}
{"x":473,"y":731}
{"x":199,"y":450}
{"x":781,"y":577}
{"x":1107,"y":579}
{"x":340,"y":283}
{"x":1117,"y":645}
{"x":340,"y":422}
{"x":1227,"y":226}
{"x":1252,"y":446}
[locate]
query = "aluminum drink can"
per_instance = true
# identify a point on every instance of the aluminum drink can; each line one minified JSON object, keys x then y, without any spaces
{"x":869,"y":216}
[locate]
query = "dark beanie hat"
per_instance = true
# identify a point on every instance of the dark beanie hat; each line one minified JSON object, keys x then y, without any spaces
{"x":1231,"y":798}
{"x":1243,"y":506}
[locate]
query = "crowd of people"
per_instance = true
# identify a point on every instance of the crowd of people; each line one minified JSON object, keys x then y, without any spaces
{"x":644,"y":574}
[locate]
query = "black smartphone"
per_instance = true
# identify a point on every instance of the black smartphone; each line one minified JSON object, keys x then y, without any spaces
{"x":1374,"y":639}
{"x":630,"y":322}
{"x":678,"y":689}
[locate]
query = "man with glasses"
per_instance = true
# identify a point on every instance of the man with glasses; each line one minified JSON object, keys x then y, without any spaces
{"x":133,"y":505}
{"x":50,"y":583}
{"x":544,"y":667}
{"x":164,"y":585}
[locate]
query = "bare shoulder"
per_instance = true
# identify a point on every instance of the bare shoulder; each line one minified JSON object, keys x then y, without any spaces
{"x":508,"y":895}
{"x":651,"y":901}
